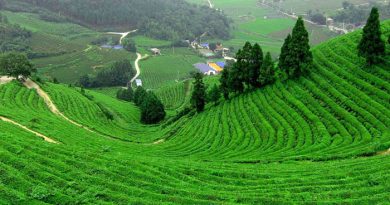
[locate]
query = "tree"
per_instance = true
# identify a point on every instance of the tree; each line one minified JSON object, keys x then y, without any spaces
{"x":267,"y":71}
{"x":255,"y":63}
{"x":129,"y":45}
{"x":301,"y":56}
{"x":139,"y":95}
{"x":372,"y":47}
{"x":125,"y":94}
{"x":225,"y":85}
{"x":16,"y":64}
{"x":235,"y":81}
{"x":213,"y":46}
{"x":85,"y":81}
{"x":152,"y":109}
{"x":198,"y":98}
{"x":214,"y":94}
{"x":285,"y":55}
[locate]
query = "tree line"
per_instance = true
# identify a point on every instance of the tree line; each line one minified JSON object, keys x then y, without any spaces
{"x":168,"y":19}
{"x":357,"y":15}
{"x":252,"y":70}
{"x":119,"y":74}
{"x":13,"y":37}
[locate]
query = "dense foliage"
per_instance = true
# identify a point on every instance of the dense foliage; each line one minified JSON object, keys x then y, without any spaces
{"x":168,"y":19}
{"x":16,"y":65}
{"x":129,"y":45}
{"x":13,"y":37}
{"x":198,"y":98}
{"x":152,"y":109}
{"x":372,"y":47}
{"x":119,"y":74}
{"x":358,"y":14}
{"x":125,"y":94}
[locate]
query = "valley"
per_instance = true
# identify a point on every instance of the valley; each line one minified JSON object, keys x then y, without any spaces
{"x":322,"y":137}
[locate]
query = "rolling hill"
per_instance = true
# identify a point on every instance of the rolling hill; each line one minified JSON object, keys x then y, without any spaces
{"x":323,"y":138}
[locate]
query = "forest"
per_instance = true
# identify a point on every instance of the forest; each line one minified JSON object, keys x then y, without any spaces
{"x":168,"y":20}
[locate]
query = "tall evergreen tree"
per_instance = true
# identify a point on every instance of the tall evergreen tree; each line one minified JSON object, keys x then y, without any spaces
{"x":285,"y":55}
{"x":372,"y":47}
{"x":238,"y":71}
{"x":267,"y":71}
{"x":255,"y":63}
{"x":225,"y":85}
{"x":198,"y":98}
{"x":243,"y":64}
{"x":236,"y":82}
{"x":302,"y":58}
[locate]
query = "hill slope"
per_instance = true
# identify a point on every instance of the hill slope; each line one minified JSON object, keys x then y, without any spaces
{"x":314,"y":140}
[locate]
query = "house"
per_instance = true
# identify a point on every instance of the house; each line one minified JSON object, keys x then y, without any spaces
{"x":205,"y":45}
{"x":221,"y":64}
{"x":205,"y":69}
{"x":138,"y":82}
{"x":216,"y":67}
{"x":156,"y":51}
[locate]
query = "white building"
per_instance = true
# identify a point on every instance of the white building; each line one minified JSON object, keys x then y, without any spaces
{"x":138,"y":82}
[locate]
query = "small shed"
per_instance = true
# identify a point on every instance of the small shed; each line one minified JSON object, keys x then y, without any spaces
{"x":138,"y":82}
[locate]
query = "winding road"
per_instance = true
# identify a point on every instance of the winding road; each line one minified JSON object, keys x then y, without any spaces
{"x":139,"y":56}
{"x":136,"y":64}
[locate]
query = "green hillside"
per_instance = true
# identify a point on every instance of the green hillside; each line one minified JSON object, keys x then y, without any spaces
{"x":321,"y":139}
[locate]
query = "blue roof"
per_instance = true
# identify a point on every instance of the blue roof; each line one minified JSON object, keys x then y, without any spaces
{"x":205,"y":44}
{"x":202,"y":67}
{"x":117,"y":47}
{"x":221,"y":64}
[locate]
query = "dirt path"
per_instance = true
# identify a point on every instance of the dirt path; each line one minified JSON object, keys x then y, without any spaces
{"x":53,"y":108}
{"x":136,"y":63}
{"x":387,"y":152}
{"x":5,"y":79}
{"x":47,"y":139}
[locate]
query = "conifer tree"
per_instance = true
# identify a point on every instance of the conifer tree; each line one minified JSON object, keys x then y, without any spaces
{"x":301,"y":56}
{"x":372,"y":47}
{"x":198,"y":98}
{"x":285,"y":56}
{"x":243,"y":64}
{"x":238,"y":71}
{"x":255,"y":63}
{"x":267,"y":71}
{"x":236,"y":80}
{"x":224,"y":81}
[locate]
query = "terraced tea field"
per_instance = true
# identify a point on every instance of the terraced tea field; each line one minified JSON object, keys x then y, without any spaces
{"x":321,"y":139}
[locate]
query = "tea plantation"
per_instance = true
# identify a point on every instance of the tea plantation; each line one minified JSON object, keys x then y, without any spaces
{"x":321,"y":139}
